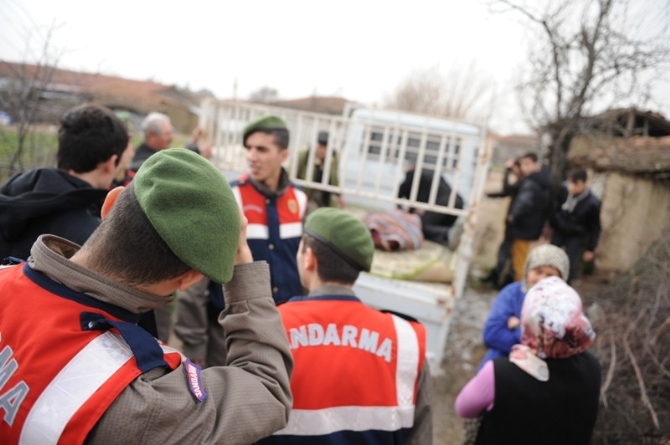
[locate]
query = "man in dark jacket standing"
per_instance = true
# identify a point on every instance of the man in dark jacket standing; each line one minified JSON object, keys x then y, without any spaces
{"x":576,"y":221}
{"x":529,"y":211}
{"x":502,"y":273}
{"x":158,"y":132}
{"x":66,"y":200}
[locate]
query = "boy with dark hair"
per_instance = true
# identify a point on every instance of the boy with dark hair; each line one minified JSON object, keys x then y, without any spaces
{"x":89,"y":374}
{"x":64,"y":201}
{"x":360,"y":374}
{"x":529,"y":211}
{"x":89,"y":135}
{"x":576,"y":221}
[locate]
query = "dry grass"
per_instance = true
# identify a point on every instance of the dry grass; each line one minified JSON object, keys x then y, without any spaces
{"x":632,"y":318}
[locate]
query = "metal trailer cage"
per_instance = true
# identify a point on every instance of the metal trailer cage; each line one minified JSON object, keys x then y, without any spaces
{"x":374,"y":148}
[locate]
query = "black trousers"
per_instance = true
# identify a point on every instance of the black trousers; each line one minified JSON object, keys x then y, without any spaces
{"x":436,"y":226}
{"x":573,"y":246}
{"x":502,"y":273}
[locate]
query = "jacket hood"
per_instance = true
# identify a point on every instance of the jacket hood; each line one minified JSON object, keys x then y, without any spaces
{"x":39,"y":193}
{"x":541,"y":177}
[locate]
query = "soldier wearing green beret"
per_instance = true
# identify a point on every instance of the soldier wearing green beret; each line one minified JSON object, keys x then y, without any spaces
{"x":275,"y":209}
{"x":360,"y":375}
{"x":85,"y":372}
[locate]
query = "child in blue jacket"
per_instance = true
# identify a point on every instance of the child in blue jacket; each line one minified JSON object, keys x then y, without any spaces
{"x":503,"y":325}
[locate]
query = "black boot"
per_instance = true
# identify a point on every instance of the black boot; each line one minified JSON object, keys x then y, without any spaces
{"x":492,"y":277}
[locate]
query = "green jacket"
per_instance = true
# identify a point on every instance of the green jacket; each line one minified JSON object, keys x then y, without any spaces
{"x":318,"y":195}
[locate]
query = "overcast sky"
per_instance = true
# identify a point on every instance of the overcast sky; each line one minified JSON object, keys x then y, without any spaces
{"x":357,"y":49}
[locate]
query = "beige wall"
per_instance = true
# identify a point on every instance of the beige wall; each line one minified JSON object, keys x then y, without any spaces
{"x":634,"y":212}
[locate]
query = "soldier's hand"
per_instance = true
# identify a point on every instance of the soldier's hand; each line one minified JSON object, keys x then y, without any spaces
{"x":243,"y":254}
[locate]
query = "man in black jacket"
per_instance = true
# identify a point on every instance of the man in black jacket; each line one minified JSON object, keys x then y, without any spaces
{"x":435,"y":225}
{"x":502,"y":273}
{"x":66,"y":200}
{"x":158,"y":132}
{"x":576,"y":221}
{"x":529,"y":211}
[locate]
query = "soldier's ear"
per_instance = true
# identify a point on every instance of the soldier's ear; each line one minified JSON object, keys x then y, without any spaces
{"x":309,"y":259}
{"x":188,"y":279}
{"x":110,"y":200}
{"x":110,"y":164}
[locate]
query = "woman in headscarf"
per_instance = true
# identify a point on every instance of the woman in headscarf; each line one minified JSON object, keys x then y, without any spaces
{"x":502,"y":329}
{"x":547,"y":391}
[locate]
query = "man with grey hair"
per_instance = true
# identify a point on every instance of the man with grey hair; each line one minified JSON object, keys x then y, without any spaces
{"x":157,"y":129}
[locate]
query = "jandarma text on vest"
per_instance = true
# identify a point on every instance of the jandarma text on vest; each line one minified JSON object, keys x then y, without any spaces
{"x":10,"y":400}
{"x":314,"y":334}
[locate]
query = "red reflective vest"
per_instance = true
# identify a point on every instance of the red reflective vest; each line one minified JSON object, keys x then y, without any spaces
{"x":273,"y":232}
{"x":356,"y":371}
{"x":56,"y":379}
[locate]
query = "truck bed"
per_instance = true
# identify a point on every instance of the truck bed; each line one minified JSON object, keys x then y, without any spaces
{"x":394,"y":284}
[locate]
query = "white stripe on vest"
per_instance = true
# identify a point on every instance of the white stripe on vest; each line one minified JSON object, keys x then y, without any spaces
{"x":302,"y":202}
{"x":257,"y":231}
{"x":290,"y":230}
{"x":238,"y":197}
{"x":364,"y":418}
{"x":407,"y":367}
{"x":73,"y":386}
{"x":286,"y":231}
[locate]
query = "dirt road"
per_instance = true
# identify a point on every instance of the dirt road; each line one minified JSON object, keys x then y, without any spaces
{"x":464,"y":349}
{"x":463,"y":354}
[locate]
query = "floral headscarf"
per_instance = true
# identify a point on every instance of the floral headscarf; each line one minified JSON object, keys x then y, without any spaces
{"x":553,"y":326}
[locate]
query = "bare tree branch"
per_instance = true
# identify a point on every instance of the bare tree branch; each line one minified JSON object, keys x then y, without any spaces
{"x":610,"y":371}
{"x":640,"y":381}
{"x":27,"y":82}
{"x":585,"y":52}
{"x":460,"y":93}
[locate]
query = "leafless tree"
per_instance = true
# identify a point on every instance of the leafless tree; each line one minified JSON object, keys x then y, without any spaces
{"x":23,"y":86}
{"x":460,"y":93}
{"x":264,"y":95}
{"x":585,"y":55}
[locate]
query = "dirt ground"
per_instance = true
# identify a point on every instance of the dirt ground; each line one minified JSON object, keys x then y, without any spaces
{"x":464,"y":352}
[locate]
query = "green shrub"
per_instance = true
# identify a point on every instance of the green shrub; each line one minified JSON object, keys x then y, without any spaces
{"x":39,"y":150}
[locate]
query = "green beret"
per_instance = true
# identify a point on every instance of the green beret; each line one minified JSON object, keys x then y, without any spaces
{"x":343,"y":233}
{"x":192,"y":208}
{"x":263,"y":124}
